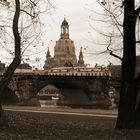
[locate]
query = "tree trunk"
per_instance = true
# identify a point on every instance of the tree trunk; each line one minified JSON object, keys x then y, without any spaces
{"x":128,"y":94}
{"x":16,"y":61}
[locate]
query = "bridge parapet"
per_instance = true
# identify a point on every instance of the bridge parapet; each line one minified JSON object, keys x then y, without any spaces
{"x":66,"y":71}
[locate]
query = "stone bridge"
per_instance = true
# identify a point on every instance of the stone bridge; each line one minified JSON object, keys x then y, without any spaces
{"x":90,"y":84}
{"x":28,"y":84}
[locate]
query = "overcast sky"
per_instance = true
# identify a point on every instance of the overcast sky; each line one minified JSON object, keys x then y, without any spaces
{"x":77,"y":14}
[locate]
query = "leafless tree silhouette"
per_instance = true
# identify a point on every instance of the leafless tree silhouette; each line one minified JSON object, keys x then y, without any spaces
{"x":25,"y":33}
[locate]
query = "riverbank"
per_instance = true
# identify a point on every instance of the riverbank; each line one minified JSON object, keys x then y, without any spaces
{"x":51,"y":126}
{"x":30,"y":125}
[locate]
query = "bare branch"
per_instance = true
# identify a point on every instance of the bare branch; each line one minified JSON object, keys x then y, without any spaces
{"x":3,"y":26}
{"x":33,"y":16}
{"x":33,"y":2}
{"x":138,"y":11}
{"x":50,"y":4}
{"x":122,"y":4}
{"x":111,"y":52}
{"x":100,"y":32}
{"x":110,"y":14}
{"x":114,"y":18}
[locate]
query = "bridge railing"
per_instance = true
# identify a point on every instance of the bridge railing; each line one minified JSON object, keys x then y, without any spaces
{"x":65,"y":72}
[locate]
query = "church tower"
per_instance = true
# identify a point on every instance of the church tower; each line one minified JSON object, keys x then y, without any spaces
{"x":49,"y":62}
{"x":81,"y":59}
{"x":64,"y":30}
{"x":64,"y":50}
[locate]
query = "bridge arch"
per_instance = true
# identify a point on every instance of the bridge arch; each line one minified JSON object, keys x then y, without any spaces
{"x":72,"y":93}
{"x":76,"y":90}
{"x":59,"y":85}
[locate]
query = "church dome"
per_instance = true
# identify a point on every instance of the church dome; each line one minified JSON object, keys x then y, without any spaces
{"x":64,"y":51}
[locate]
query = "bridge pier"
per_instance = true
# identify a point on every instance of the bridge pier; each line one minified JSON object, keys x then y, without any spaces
{"x":25,"y":89}
{"x":96,"y":88}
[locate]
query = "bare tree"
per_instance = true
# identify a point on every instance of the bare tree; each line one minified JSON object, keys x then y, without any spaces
{"x":21,"y":39}
{"x":16,"y":61}
{"x":110,"y":29}
{"x":129,"y":104}
{"x":128,"y":108}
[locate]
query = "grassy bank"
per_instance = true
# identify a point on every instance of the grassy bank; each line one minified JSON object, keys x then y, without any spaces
{"x":39,"y":126}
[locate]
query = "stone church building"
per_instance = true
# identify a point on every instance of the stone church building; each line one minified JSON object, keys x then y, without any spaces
{"x":64,"y":51}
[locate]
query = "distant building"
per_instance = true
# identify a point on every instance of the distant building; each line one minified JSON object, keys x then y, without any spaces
{"x":64,"y":51}
{"x":49,"y":95}
{"x":24,"y":66}
{"x":115,"y":70}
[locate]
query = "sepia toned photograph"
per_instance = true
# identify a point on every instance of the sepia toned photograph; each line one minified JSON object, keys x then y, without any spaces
{"x":69,"y":70}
